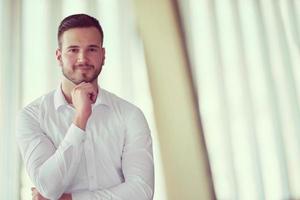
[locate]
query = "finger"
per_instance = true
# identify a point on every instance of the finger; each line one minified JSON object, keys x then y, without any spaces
{"x":94,"y":97}
{"x":80,"y":84}
{"x":87,"y":88}
{"x":34,"y":192}
{"x":83,"y":84}
{"x":90,"y":90}
{"x":38,"y":197}
{"x":93,"y":91}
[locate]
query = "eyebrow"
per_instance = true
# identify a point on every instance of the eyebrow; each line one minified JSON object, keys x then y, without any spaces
{"x":95,"y":46}
{"x":76,"y":46}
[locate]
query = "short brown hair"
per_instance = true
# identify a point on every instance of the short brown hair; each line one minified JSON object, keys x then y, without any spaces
{"x":78,"y":21}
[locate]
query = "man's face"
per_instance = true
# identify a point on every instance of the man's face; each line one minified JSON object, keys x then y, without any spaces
{"x":81,"y":55}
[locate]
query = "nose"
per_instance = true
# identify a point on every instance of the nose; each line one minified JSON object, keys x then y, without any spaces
{"x":82,"y":57}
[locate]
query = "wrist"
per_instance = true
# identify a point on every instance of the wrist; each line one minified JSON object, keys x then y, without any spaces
{"x":80,"y":121}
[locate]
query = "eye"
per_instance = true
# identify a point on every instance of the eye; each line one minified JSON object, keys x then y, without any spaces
{"x":73,"y":50}
{"x":93,"y":49}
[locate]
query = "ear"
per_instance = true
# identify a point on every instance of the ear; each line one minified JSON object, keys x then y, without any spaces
{"x":58,"y":56}
{"x":103,"y":55}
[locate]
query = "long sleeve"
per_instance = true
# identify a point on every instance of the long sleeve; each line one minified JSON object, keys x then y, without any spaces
{"x":137,"y":166}
{"x":51,"y":169}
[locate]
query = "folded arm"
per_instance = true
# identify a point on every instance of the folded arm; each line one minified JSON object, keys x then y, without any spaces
{"x":51,"y":169}
{"x":137,"y":166}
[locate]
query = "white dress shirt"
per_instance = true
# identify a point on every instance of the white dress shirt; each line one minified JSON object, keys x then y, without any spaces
{"x":111,"y":159}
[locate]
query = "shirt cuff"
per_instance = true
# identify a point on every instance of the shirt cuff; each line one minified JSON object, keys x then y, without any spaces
{"x":75,"y":135}
{"x":81,"y":195}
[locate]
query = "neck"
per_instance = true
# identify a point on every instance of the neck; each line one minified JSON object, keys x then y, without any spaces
{"x":67,"y":87}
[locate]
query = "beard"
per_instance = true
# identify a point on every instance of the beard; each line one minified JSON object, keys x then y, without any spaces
{"x":73,"y":76}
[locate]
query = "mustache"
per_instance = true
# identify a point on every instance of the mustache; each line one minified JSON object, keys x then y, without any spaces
{"x":84,"y":65}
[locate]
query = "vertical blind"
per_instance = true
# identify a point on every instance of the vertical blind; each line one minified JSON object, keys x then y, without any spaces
{"x":29,"y":70}
{"x":245,"y":56}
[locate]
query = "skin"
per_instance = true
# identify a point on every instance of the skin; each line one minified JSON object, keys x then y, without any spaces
{"x":37,"y":196}
{"x":81,"y":57}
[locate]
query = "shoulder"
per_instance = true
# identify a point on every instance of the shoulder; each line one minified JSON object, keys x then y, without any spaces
{"x":129,"y":113}
{"x":38,"y":106}
{"x":29,"y":118}
{"x":120,"y":105}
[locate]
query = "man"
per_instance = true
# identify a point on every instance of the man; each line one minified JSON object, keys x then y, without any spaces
{"x":80,"y":141}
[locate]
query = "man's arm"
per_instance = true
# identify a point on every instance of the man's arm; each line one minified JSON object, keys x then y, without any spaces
{"x":50,"y":169}
{"x":137,"y":166}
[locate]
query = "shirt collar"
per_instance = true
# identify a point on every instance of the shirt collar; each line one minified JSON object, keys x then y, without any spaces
{"x":102,"y":98}
{"x":59,"y":98}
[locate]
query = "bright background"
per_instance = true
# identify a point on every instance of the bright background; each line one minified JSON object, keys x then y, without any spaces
{"x":218,"y":81}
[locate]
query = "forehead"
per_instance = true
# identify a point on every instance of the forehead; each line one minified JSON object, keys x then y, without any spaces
{"x":81,"y":36}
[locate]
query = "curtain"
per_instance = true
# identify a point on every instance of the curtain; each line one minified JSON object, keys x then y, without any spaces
{"x":29,"y":70}
{"x":245,"y":56}
{"x":9,"y":97}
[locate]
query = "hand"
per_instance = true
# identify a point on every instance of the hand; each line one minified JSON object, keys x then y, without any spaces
{"x":66,"y":197}
{"x":83,"y":96}
{"x":37,"y":196}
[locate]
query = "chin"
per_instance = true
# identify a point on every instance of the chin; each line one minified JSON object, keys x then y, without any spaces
{"x":79,"y":78}
{"x":77,"y":82}
{"x":87,"y":80}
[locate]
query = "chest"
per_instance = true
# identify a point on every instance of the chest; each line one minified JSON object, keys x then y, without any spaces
{"x":105,"y":130}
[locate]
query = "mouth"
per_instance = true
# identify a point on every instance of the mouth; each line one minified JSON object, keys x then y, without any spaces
{"x":84,"y":68}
